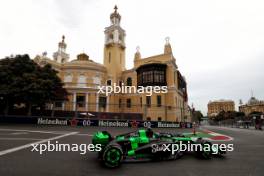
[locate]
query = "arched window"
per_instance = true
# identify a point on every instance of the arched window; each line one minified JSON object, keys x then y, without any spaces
{"x":128,"y":103}
{"x":68,"y":78}
{"x":148,"y":101}
{"x":82,"y":81}
{"x":129,"y":81}
{"x":120,"y":103}
{"x":97,"y":80}
{"x":108,"y":82}
{"x":109,"y":57}
{"x":102,"y":102}
{"x":159,"y":100}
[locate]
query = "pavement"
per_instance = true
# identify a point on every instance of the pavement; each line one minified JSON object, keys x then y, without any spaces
{"x":16,"y":157}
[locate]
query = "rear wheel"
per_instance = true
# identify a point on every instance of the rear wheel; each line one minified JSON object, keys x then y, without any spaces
{"x":112,"y":155}
{"x":205,"y":153}
{"x":177,"y":155}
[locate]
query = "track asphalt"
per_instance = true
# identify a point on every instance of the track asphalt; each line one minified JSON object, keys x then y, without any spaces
{"x":16,"y":158}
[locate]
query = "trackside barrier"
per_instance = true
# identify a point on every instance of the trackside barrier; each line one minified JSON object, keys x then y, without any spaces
{"x":94,"y":122}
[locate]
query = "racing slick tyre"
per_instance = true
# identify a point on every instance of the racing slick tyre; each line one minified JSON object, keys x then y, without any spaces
{"x":177,"y":155}
{"x":112,"y":155}
{"x":205,"y":154}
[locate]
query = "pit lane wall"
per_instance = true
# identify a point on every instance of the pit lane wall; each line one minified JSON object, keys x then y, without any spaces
{"x":94,"y":122}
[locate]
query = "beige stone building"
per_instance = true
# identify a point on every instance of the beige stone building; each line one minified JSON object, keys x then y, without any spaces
{"x":253,"y":105}
{"x":82,"y":78}
{"x":214,"y":107}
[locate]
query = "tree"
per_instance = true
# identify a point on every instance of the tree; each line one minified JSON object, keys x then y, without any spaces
{"x":23,"y":81}
{"x":197,"y":116}
{"x":220,"y":116}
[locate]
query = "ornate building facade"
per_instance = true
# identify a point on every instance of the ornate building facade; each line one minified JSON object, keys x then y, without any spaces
{"x":214,"y":107}
{"x":253,"y":105}
{"x":82,"y":76}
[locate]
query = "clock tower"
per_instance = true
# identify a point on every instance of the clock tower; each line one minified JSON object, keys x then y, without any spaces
{"x":114,"y":48}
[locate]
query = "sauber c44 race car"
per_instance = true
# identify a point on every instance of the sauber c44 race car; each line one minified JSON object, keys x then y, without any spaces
{"x":144,"y":144}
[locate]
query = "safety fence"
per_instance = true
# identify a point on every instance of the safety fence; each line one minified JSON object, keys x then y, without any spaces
{"x":85,"y":122}
{"x":102,"y":110}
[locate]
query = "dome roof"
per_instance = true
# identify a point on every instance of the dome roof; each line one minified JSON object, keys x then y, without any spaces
{"x":115,"y":17}
{"x":83,"y":61}
{"x":82,"y":57}
{"x":115,"y":14}
{"x":62,"y":44}
{"x":253,"y":100}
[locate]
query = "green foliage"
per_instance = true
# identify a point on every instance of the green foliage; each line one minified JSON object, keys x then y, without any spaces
{"x":228,"y":115}
{"x":23,"y":81}
{"x":197,"y":116}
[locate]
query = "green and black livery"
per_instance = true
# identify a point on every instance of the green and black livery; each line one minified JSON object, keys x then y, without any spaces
{"x":138,"y":146}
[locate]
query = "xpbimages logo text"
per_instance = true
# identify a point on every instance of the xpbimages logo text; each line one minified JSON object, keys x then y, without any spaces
{"x":116,"y":89}
{"x":192,"y":147}
{"x":62,"y":147}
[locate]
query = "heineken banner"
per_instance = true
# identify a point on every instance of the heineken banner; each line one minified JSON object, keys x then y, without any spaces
{"x":82,"y":122}
{"x":113,"y":123}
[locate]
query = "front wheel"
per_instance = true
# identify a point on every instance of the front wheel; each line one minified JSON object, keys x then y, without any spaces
{"x":112,"y":155}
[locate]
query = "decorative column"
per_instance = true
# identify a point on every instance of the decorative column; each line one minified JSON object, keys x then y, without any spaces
{"x":107,"y":103}
{"x":86,"y":101}
{"x":97,"y":102}
{"x":74,"y":101}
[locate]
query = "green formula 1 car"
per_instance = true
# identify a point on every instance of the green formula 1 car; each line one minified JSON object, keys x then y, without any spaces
{"x":144,"y":144}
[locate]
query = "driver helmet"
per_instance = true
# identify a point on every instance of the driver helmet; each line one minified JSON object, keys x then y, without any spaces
{"x":149,"y":133}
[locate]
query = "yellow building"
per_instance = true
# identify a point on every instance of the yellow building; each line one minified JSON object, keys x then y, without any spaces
{"x":214,"y":107}
{"x":253,"y":105}
{"x":82,"y":78}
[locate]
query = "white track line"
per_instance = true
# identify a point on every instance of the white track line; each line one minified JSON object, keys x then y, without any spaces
{"x":19,"y":133}
{"x":4,"y":152}
{"x":20,"y":139}
{"x":84,"y":135}
{"x":34,"y":131}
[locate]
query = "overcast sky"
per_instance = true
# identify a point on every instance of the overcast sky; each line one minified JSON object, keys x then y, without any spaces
{"x":218,"y":44}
